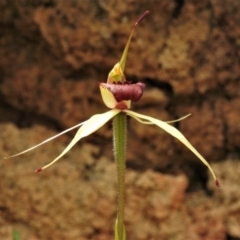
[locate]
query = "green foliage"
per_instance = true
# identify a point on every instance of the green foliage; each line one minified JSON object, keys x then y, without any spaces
{"x":122,"y":235}
{"x":16,"y":235}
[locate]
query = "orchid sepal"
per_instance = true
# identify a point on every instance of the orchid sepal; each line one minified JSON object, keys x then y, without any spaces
{"x":86,"y":128}
{"x":117,"y":73}
{"x":45,"y":141}
{"x":89,"y":126}
{"x":175,"y":133}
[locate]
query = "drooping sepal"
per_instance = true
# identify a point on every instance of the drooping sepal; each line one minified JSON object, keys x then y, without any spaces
{"x":175,"y":133}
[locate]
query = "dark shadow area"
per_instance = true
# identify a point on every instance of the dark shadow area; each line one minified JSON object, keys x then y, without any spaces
{"x":162,"y":85}
{"x":24,"y":119}
{"x":178,"y":8}
{"x":231,"y":238}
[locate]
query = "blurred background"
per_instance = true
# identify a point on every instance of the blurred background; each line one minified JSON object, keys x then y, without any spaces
{"x":53,"y":55}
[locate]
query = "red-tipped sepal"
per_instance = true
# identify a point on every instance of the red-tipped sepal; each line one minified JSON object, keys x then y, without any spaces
{"x":38,"y":170}
{"x":217,"y":183}
{"x":142,"y":17}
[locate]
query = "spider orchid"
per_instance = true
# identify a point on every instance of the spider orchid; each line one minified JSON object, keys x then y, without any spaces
{"x":117,"y":94}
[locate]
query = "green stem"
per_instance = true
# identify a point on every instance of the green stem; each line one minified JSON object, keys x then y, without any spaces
{"x":119,"y":146}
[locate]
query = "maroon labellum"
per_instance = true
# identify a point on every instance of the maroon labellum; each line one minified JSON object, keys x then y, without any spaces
{"x":125,"y":91}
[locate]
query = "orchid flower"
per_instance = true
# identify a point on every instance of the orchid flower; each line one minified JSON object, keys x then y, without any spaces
{"x":117,"y":94}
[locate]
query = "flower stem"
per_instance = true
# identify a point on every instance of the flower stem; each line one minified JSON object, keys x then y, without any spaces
{"x":119,"y":146}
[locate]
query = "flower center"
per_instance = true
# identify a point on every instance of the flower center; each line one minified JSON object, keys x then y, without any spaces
{"x":125,"y":91}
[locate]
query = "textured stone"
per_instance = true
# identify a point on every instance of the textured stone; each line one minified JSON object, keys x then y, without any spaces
{"x":54,"y":53}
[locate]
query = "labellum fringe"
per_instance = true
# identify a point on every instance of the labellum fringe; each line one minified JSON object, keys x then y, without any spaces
{"x":125,"y":91}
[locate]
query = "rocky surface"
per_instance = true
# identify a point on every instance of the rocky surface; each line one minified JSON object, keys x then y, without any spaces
{"x":76,"y":198}
{"x":54,"y":53}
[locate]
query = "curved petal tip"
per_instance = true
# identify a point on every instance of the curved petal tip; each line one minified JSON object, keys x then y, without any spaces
{"x":38,"y":170}
{"x":217,"y":183}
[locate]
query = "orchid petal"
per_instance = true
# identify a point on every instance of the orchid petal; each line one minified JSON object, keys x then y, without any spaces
{"x":179,"y":119}
{"x":45,"y":141}
{"x":141,"y":121}
{"x":175,"y":133}
{"x":89,"y":126}
{"x":151,"y":123}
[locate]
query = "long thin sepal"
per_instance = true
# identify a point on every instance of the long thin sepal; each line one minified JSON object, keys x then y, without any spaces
{"x":116,"y":75}
{"x":45,"y":141}
{"x":175,"y":133}
{"x":171,"y":121}
{"x":124,"y":56}
{"x":179,"y":119}
{"x":89,"y":126}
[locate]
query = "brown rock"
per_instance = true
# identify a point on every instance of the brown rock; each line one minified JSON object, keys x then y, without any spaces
{"x":54,"y":53}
